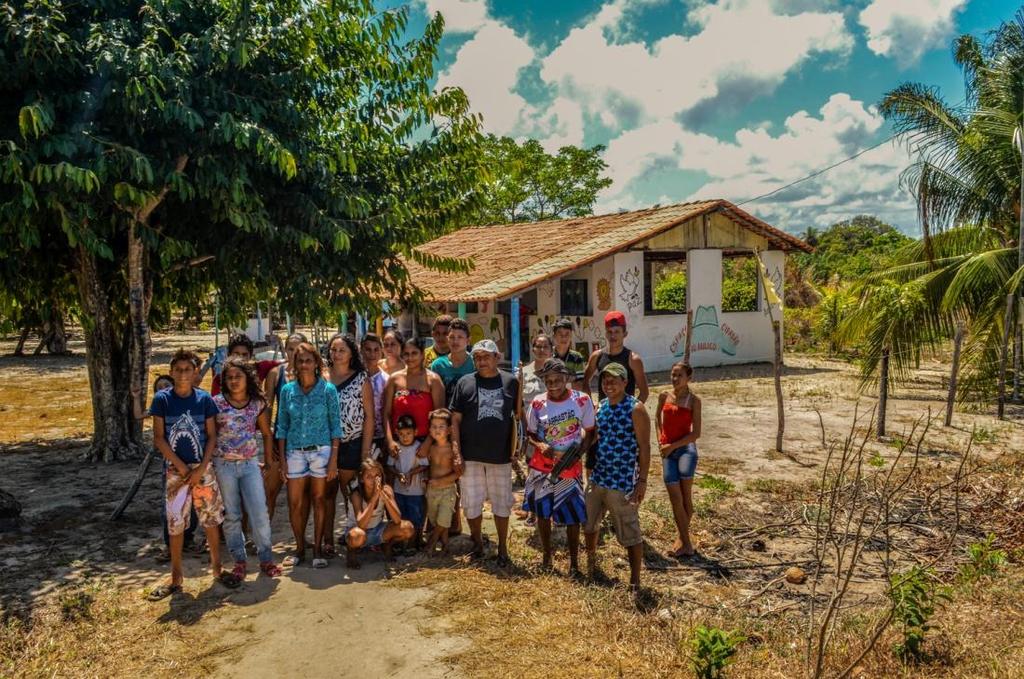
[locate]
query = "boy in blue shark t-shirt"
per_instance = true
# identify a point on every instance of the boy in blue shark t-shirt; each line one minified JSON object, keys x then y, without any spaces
{"x":185,"y":433}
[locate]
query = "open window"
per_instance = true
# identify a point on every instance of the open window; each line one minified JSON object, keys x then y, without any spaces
{"x":740,"y":291}
{"x":665,"y":282}
{"x":575,"y":300}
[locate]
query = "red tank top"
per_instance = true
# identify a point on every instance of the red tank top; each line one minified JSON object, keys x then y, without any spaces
{"x":416,"y":403}
{"x":676,"y":421}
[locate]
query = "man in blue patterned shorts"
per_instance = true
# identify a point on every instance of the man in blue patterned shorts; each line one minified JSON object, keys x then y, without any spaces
{"x":619,"y":480}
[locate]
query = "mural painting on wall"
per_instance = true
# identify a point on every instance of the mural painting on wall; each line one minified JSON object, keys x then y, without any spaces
{"x":708,"y":335}
{"x":604,"y":294}
{"x":493,"y":331}
{"x":546,"y":288}
{"x":629,"y":282}
{"x":587,"y":335}
{"x":775,"y":276}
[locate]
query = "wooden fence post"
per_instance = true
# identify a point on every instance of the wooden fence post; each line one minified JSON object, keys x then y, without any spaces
{"x":883,"y":392}
{"x":777,"y":369}
{"x":689,"y":331}
{"x":958,"y":339}
{"x":1007,"y":322}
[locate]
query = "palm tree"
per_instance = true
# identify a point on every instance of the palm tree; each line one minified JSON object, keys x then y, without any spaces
{"x":967,"y":182}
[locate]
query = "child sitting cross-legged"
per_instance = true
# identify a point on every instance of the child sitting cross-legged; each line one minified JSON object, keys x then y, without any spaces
{"x":374,"y":518}
{"x":408,"y":472}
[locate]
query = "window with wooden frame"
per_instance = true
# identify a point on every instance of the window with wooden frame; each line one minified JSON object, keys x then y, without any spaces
{"x":574,"y":297}
{"x":665,"y":283}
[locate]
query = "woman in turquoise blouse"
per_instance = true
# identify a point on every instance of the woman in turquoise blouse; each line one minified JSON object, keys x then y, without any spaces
{"x":308,"y":434}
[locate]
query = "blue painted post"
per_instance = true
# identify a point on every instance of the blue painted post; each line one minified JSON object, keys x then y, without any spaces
{"x":462,"y":310}
{"x":514,"y":334}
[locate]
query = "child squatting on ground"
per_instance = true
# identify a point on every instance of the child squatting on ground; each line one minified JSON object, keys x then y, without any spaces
{"x":445,"y":469}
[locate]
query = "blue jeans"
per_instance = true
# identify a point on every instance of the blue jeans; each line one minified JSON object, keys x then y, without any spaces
{"x":242,"y":483}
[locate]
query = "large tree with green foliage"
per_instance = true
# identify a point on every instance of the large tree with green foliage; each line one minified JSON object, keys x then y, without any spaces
{"x":528,"y":184}
{"x":162,"y":149}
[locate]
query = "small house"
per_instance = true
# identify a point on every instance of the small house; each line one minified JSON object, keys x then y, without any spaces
{"x":654,"y":265}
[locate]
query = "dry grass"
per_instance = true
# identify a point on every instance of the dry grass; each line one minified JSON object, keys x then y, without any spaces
{"x":100,"y":631}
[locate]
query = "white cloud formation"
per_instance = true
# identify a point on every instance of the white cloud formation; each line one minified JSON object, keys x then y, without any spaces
{"x":757,"y":162}
{"x":460,"y":16}
{"x":906,"y":29}
{"x":741,"y":45}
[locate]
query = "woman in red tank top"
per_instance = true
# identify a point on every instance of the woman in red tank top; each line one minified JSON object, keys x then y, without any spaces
{"x":412,"y":391}
{"x":678,"y":424}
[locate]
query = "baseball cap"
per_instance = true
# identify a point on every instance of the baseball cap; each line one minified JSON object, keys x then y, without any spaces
{"x":615,"y":370}
{"x":553,"y":366}
{"x":614,"y":318}
{"x":485,"y":345}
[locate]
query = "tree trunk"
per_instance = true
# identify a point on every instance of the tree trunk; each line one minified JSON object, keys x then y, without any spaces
{"x":19,"y":350}
{"x":57,"y":339}
{"x":951,"y":398}
{"x":1018,"y":354}
{"x":138,"y":311}
{"x":1003,"y":354}
{"x":883,"y":392}
{"x":689,"y":332}
{"x":116,"y":434}
{"x":777,"y":364}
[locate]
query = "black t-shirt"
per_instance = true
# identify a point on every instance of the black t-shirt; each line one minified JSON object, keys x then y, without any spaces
{"x":486,"y":405}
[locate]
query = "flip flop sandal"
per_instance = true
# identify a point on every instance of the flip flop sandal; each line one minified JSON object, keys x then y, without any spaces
{"x":292,"y":560}
{"x":319,"y":563}
{"x":163,"y":591}
{"x":228,"y":580}
{"x":270,"y":569}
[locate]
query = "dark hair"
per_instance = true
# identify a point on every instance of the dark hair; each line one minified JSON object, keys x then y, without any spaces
{"x":371,"y":337}
{"x":185,"y":355}
{"x":252,"y":380}
{"x":562,"y":324}
{"x":162,"y":377}
{"x":541,"y":335}
{"x":355,"y":363}
{"x":241,"y":340}
{"x":396,"y":333}
{"x":685,"y":366}
{"x":459,"y":324}
{"x":406,"y":422}
{"x":441,"y":414}
{"x":418,"y":342}
{"x":443,"y":319}
{"x":306,"y":347}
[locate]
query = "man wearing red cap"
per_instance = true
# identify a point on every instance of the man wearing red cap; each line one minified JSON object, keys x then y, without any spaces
{"x":615,"y":332}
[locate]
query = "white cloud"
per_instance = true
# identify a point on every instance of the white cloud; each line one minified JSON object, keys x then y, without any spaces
{"x":740,"y":42}
{"x":487,"y":67}
{"x":757,"y":162}
{"x":906,"y":29}
{"x":460,"y":16}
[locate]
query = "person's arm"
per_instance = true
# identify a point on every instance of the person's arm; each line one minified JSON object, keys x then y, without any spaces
{"x":269,"y":453}
{"x":160,"y":441}
{"x":662,"y":399}
{"x":387,"y":496}
{"x":636,"y":364}
{"x":368,"y":421}
{"x":588,"y":374}
{"x":389,"y":436}
{"x":284,"y":423}
{"x":436,"y":389}
{"x":456,"y":434}
{"x":642,"y":430}
{"x":270,"y":388}
{"x":363,"y":517}
{"x":138,"y":411}
{"x":196,"y":476}
{"x":334,"y":426}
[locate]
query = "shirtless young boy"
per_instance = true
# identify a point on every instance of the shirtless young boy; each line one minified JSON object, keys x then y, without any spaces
{"x":445,"y":469}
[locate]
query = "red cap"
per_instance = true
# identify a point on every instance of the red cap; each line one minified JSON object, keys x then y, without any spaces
{"x":614,"y":318}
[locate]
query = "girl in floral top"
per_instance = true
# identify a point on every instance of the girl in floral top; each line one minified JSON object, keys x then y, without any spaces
{"x":243,"y":428}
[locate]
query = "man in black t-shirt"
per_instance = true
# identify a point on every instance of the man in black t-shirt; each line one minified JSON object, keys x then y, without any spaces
{"x":483,"y":405}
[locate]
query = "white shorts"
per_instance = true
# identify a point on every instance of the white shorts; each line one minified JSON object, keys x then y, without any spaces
{"x":481,"y":481}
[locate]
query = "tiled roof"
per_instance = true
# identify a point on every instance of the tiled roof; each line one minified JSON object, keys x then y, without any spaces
{"x":509,"y":258}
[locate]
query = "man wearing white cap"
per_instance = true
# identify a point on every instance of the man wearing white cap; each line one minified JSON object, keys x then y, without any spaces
{"x":483,"y":405}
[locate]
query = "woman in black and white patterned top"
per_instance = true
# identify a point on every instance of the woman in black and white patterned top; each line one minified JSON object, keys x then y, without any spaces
{"x":355,"y":400}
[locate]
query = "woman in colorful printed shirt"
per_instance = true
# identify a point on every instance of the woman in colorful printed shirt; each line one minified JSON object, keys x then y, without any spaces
{"x":355,"y":403}
{"x":678,"y":424}
{"x":558,"y":420}
{"x":308,"y":433}
{"x":272,"y":386}
{"x":243,"y":426}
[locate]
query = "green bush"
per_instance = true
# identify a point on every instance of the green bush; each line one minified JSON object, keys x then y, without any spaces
{"x":985,"y":559}
{"x":914,"y":596}
{"x":670,"y":292}
{"x":713,"y":650}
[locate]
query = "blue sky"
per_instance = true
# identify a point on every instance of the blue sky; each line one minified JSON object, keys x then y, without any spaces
{"x":728,"y":99}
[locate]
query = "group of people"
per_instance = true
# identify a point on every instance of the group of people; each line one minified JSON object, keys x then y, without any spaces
{"x":413,"y":438}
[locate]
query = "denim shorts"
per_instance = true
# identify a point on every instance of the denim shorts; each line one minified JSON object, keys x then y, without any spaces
{"x":680,"y":465}
{"x":375,"y":535}
{"x":302,"y":463}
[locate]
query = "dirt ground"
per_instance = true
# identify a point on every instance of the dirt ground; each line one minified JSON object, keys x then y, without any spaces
{"x":387,"y":620}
